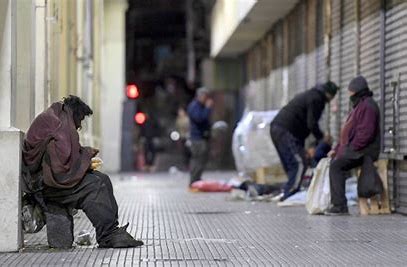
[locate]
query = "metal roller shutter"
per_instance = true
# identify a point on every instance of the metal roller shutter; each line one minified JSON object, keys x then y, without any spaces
{"x":335,"y":66}
{"x":277,"y":74}
{"x":311,"y":43}
{"x":301,"y":59}
{"x":396,"y":67}
{"x":296,"y":58}
{"x":320,"y":58}
{"x":292,"y":53}
{"x":369,"y":57}
{"x":320,"y":53}
{"x":396,"y":71}
{"x":348,"y":53}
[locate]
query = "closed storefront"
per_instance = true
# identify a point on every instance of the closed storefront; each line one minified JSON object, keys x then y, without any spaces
{"x":335,"y":60}
{"x":349,"y":48}
{"x":395,"y":71}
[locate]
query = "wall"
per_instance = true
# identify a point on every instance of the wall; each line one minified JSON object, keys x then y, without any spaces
{"x":112,"y":83}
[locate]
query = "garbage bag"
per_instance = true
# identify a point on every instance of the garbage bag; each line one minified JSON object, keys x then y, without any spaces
{"x":319,"y":193}
{"x":33,"y":218}
{"x":211,"y":186}
{"x":369,"y":182}
{"x":251,"y":145}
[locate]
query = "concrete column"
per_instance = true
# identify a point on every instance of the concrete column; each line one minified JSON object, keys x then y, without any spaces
{"x":10,"y":190}
{"x":10,"y":138}
{"x":113,"y":82}
{"x":7,"y":58}
{"x":40,"y":59}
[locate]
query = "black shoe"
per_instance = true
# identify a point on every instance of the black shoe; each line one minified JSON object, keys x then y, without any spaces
{"x":120,"y":238}
{"x":337,"y":211}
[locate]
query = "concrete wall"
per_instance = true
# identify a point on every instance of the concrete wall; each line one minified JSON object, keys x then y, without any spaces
{"x":113,"y":82}
{"x":6,"y":63}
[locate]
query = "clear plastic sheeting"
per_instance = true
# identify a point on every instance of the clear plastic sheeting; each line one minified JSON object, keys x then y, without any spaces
{"x":252,"y":146}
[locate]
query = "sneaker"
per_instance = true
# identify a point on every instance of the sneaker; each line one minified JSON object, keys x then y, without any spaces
{"x":120,"y":238}
{"x":337,"y":211}
{"x":277,"y":198}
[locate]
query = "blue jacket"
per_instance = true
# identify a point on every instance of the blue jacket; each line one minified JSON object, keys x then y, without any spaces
{"x":199,"y":117}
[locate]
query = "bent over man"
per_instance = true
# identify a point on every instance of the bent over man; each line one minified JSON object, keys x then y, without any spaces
{"x":292,"y":125}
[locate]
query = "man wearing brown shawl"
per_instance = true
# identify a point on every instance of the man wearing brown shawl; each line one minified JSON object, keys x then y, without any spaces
{"x":62,"y":167}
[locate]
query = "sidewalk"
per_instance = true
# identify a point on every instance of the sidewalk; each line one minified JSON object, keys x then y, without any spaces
{"x":201,"y":229}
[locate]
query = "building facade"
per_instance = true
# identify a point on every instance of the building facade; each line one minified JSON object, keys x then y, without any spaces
{"x":313,"y":41}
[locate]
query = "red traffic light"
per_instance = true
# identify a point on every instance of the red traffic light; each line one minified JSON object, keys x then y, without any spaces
{"x":132,"y":91}
{"x":140,"y":118}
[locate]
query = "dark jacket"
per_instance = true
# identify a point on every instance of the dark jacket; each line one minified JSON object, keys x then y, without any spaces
{"x":199,"y":117}
{"x":360,"y":134}
{"x":301,"y":115}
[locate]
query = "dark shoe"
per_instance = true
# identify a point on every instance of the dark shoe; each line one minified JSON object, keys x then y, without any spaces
{"x":120,"y":238}
{"x":337,"y":211}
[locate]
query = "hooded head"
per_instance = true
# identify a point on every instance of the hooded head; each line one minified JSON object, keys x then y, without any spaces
{"x":79,"y":109}
{"x":357,"y":85}
{"x":330,"y":89}
{"x":358,"y":89}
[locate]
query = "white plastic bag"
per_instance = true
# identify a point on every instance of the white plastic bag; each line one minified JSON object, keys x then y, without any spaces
{"x":252,"y":146}
{"x":319,"y":194}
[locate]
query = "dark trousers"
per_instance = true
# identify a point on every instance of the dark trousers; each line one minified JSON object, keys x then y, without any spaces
{"x":292,"y":155}
{"x":149,"y":152}
{"x":199,"y":158}
{"x":338,"y":173}
{"x":93,"y":195}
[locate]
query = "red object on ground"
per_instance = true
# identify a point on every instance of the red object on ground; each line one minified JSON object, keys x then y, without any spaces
{"x":211,"y":186}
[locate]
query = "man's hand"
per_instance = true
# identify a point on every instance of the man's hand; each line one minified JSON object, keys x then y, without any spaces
{"x":96,"y":163}
{"x":209,"y":103}
{"x":332,"y":154}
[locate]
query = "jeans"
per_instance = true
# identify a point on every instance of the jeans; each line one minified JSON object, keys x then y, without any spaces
{"x":292,"y":155}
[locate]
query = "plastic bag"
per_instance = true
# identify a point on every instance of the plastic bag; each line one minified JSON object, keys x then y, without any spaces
{"x":33,"y":218}
{"x":252,"y":146}
{"x":319,"y":194}
{"x":369,"y":182}
{"x":211,"y":186}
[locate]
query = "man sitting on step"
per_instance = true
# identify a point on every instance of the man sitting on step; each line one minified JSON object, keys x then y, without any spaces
{"x":63,"y":168}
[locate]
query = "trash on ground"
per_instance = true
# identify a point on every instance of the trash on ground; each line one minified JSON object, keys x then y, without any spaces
{"x":84,"y":238}
{"x":211,"y":186}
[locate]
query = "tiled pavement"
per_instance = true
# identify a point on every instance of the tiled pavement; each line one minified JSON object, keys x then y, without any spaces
{"x":201,"y":229}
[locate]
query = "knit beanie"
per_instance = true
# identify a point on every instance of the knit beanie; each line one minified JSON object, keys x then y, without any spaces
{"x":358,"y":84}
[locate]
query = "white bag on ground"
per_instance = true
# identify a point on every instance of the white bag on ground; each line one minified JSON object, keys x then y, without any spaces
{"x":319,"y":195}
